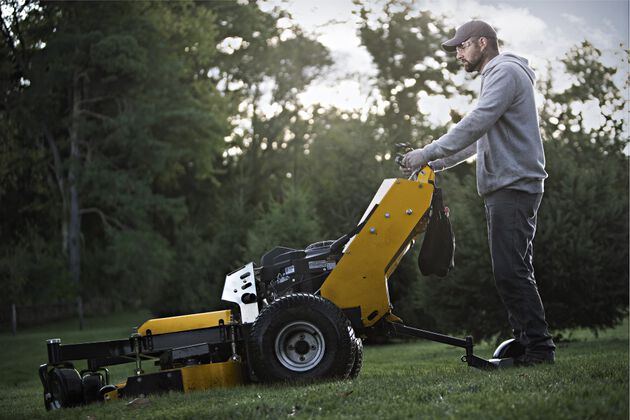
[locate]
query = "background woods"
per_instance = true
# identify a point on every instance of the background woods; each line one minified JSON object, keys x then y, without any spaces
{"x":147,"y":149}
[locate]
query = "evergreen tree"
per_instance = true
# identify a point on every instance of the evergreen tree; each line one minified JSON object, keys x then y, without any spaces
{"x":582,"y":254}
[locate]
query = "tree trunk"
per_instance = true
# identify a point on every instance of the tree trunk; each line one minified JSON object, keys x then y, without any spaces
{"x":254,"y":149}
{"x":74,"y":222}
{"x":60,"y":177}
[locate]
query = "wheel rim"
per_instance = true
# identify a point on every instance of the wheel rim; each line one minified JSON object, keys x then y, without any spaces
{"x":300,"y":346}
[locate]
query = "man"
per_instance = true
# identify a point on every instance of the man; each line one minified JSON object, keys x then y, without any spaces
{"x":503,"y":132}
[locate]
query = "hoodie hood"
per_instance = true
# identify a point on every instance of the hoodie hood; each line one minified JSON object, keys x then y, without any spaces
{"x":510,"y":58}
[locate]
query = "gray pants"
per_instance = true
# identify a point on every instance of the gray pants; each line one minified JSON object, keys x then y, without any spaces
{"x":511,"y":217}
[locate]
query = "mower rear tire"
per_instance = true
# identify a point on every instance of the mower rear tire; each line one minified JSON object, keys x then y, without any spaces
{"x":358,"y":359}
{"x":301,"y":338}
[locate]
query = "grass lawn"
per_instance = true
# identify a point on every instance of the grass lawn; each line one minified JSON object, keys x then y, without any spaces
{"x":412,"y":380}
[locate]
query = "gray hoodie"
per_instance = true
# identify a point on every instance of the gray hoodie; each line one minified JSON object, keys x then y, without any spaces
{"x":502,"y":130}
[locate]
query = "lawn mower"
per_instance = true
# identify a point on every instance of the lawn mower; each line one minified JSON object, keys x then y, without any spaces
{"x":298,"y":316}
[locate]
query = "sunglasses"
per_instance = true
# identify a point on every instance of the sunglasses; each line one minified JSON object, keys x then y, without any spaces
{"x":461,"y":47}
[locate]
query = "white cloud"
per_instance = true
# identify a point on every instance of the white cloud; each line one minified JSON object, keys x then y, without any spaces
{"x":573,"y":19}
{"x":346,"y":94}
{"x":591,"y":113}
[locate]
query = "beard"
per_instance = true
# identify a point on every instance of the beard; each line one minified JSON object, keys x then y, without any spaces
{"x":471,"y":66}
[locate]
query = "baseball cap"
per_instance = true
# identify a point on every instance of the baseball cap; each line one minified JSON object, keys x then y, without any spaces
{"x":469,"y":29}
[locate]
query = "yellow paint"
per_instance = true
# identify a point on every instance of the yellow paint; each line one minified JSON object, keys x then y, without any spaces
{"x":393,"y":318}
{"x":212,"y":375}
{"x":113,"y":395}
{"x":185,"y":322}
{"x":197,"y":377}
{"x":360,"y":277}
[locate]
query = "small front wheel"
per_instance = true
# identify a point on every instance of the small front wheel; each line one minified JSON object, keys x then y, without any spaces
{"x":92,"y":384}
{"x":66,"y":388}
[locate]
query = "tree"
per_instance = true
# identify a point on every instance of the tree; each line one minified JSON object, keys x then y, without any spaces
{"x":118,"y":95}
{"x":405,"y":45}
{"x":115,"y":118}
{"x":266,"y":61}
{"x":583,"y":243}
{"x":291,"y":222}
{"x":27,"y":214}
{"x":343,"y":165}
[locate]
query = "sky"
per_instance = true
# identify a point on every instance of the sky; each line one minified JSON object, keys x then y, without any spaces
{"x":540,"y":30}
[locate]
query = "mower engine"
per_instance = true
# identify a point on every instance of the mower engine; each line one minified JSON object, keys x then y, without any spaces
{"x":286,"y":270}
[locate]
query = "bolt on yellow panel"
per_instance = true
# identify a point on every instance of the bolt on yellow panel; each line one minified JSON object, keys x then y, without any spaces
{"x":360,"y":277}
{"x":212,"y":375}
{"x":185,"y":322}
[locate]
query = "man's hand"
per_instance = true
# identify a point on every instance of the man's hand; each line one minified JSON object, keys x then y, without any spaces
{"x":406,"y":171}
{"x":413,"y":161}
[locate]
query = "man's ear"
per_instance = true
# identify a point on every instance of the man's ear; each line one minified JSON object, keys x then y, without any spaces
{"x":483,"y":43}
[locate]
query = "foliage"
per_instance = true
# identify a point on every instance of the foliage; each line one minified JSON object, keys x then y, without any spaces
{"x":583,"y":246}
{"x":291,"y":222}
{"x":185,"y":286}
{"x":263,"y":73}
{"x":405,"y":45}
{"x":582,"y":249}
{"x":147,"y":120}
{"x":34,"y":266}
{"x":341,"y":167}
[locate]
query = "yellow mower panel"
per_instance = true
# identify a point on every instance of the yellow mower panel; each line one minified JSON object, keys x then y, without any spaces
{"x":396,"y":215}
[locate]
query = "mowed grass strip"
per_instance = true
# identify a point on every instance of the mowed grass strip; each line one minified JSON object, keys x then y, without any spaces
{"x":411,"y":380}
